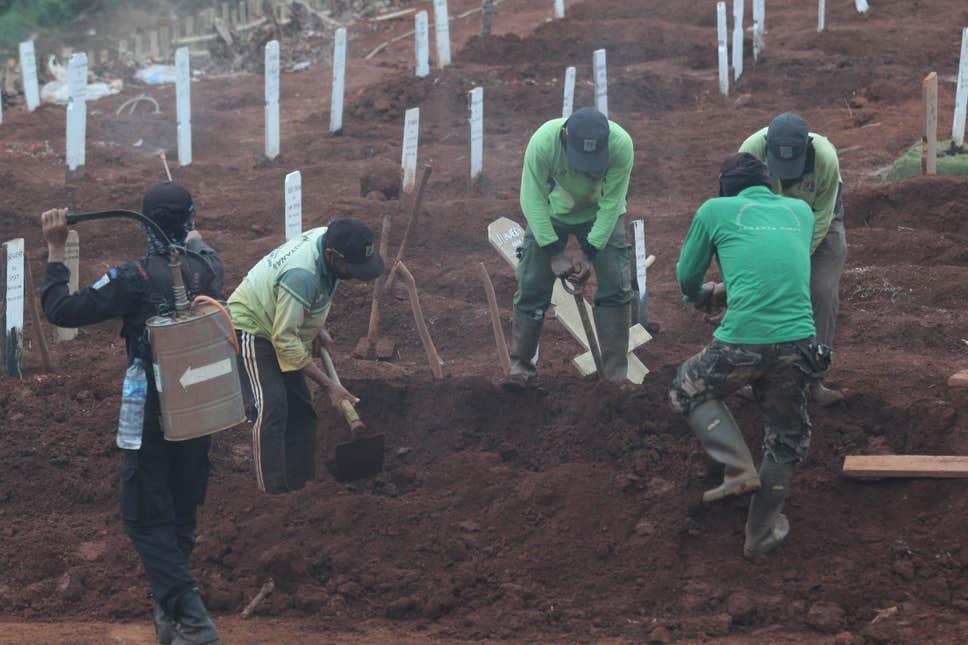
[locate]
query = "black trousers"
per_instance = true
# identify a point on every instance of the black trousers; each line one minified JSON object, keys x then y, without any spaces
{"x":162,"y":485}
{"x":284,"y":420}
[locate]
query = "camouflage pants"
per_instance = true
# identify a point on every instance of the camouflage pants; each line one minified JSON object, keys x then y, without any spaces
{"x":777,"y":374}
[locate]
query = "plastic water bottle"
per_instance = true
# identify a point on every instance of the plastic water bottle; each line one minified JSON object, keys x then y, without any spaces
{"x":134,"y":394}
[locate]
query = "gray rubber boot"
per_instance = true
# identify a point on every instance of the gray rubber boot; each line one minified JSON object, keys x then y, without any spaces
{"x":719,"y":435}
{"x":823,"y":395}
{"x":164,"y":625}
{"x":525,"y":332}
{"x":612,"y":328}
{"x":766,"y":526}
{"x":195,"y":627}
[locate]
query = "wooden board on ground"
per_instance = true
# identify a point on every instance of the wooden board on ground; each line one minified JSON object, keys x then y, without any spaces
{"x":876,"y":466}
{"x":506,"y":236}
{"x":958,"y":379}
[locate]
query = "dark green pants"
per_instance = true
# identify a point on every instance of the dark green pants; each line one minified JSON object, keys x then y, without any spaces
{"x":536,"y":280}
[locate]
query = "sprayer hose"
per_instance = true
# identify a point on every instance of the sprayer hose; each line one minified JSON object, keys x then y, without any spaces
{"x":225,"y":313}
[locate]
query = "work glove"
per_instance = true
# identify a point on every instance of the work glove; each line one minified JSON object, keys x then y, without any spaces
{"x":564,"y":266}
{"x":589,"y":250}
{"x":712,"y":297}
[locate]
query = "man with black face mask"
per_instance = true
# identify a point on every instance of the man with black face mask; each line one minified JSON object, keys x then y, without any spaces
{"x":804,"y":165}
{"x":162,"y":482}
{"x":761,"y":242}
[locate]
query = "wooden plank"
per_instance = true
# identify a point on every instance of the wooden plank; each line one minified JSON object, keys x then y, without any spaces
{"x":958,"y":379}
{"x":929,"y":146}
{"x":505,"y":236}
{"x":869,"y":466}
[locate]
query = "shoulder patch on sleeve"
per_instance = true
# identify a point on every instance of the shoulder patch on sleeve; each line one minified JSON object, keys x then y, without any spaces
{"x":302,"y":285}
{"x":104,"y":279}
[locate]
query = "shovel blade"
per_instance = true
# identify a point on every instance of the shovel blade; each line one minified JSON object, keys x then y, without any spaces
{"x":357,"y":459}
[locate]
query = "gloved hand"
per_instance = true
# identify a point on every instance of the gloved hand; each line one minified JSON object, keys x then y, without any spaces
{"x":564,"y":266}
{"x":589,"y":250}
{"x":712,"y":296}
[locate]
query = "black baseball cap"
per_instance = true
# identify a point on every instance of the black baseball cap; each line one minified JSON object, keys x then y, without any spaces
{"x":786,"y":146}
{"x":352,"y":240}
{"x":174,"y":199}
{"x":587,"y":147}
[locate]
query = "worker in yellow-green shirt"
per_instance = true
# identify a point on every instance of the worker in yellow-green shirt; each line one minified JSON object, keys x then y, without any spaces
{"x":575,"y":181}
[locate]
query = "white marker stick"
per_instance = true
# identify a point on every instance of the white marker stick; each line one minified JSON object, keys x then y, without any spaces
{"x":600,"y":70}
{"x":411,"y":135}
{"x":559,"y":8}
{"x":272,"y":99}
{"x":739,"y":8}
{"x":183,"y":104}
{"x":293,"y":205}
{"x":759,"y":28}
{"x":638,"y":227}
{"x":821,"y":15}
{"x":72,"y":255}
{"x":723,"y":53}
{"x":568,"y":104}
{"x":76,"y":111}
{"x":862,"y":6}
{"x":28,"y":75}
{"x":421,"y":34}
{"x":961,"y":94}
{"x":339,"y":81}
{"x":442,"y":29}
{"x":14,"y":312}
{"x":476,"y":100}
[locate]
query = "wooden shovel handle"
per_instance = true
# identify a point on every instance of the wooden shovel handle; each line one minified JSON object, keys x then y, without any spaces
{"x":352,"y":418}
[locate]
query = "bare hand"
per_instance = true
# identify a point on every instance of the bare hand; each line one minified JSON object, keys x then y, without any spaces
{"x":54,"y":226}
{"x":338,"y":393}
{"x":322,"y":341}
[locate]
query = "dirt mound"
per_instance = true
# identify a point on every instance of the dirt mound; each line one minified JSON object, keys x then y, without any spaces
{"x":921,"y":203}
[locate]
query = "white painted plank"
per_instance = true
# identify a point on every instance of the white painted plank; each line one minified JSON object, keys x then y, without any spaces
{"x":476,"y":99}
{"x":14,"y":312}
{"x":600,"y":71}
{"x":293,"y":189}
{"x":821,"y":15}
{"x":72,"y":256}
{"x":442,"y":31}
{"x":422,"y":43}
{"x":559,"y":8}
{"x":28,"y":75}
{"x":862,"y":6}
{"x":183,"y":104}
{"x":638,"y":229}
{"x":339,"y":81}
{"x":739,"y":9}
{"x":759,"y":28}
{"x":76,"y":111}
{"x":411,"y":140}
{"x":272,"y":98}
{"x":568,"y":102}
{"x":722,"y":48}
{"x":961,"y":94}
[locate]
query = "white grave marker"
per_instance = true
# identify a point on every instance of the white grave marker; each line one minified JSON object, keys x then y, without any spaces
{"x":272,"y":99}
{"x":442,"y":29}
{"x":14,"y":312}
{"x":961,"y":94}
{"x":76,"y":111}
{"x":638,"y":227}
{"x":72,"y":257}
{"x":862,"y":6}
{"x":421,"y":34}
{"x":568,"y":104}
{"x":600,"y":71}
{"x":723,"y":53}
{"x":739,"y":8}
{"x":476,"y":100}
{"x":293,"y":205}
{"x":759,"y":28}
{"x":339,"y":81}
{"x":559,"y":8}
{"x":411,"y":136}
{"x":183,"y":104}
{"x":28,"y":75}
{"x":821,"y":15}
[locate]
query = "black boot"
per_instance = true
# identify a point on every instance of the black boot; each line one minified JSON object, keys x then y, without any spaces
{"x":164,"y":625}
{"x":766,"y":525}
{"x":525,"y":332}
{"x":194,"y":625}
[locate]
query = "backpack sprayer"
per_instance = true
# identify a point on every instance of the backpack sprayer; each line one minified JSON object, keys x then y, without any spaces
{"x":194,"y":352}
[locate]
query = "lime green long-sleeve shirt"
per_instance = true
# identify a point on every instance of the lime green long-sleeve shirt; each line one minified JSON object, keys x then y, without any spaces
{"x":762,"y":244}
{"x":818,"y":186}
{"x":286,"y":298}
{"x":550,"y":190}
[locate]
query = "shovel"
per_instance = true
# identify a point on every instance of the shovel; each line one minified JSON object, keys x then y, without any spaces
{"x":362,"y":455}
{"x":586,"y":323}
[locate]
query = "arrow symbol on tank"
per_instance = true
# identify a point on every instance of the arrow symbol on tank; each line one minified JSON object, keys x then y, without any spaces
{"x":194,"y":376}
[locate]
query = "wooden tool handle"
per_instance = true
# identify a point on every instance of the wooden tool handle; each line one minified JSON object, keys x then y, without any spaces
{"x":352,"y":418}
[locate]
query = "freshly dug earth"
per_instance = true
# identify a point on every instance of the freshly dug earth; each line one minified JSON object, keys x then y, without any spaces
{"x":566,"y":514}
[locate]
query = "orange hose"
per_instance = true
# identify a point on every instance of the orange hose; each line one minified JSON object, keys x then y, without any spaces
{"x":225,"y":312}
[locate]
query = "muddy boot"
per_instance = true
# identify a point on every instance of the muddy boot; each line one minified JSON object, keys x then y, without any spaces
{"x":824,"y":396}
{"x":720,"y":437}
{"x":766,"y":526}
{"x":164,"y":625}
{"x":612,"y":328}
{"x":525,"y":332}
{"x":195,"y":627}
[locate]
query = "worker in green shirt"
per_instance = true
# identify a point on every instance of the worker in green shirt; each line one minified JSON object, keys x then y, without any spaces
{"x":761,"y":242}
{"x":575,"y":181}
{"x":804,"y":165}
{"x":279,"y":312}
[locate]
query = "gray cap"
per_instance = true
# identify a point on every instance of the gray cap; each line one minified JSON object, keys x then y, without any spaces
{"x":587,"y":148}
{"x":786,"y":146}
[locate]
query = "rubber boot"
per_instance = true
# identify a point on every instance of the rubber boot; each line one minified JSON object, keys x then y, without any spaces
{"x":823,"y":395}
{"x":766,"y":526}
{"x":195,"y":627}
{"x":719,"y":435}
{"x":525,"y":332}
{"x":164,"y":625}
{"x":612,"y":328}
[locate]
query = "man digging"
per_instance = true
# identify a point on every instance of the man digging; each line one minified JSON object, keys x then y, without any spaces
{"x":804,"y":165}
{"x":575,"y":181}
{"x":761,"y":242}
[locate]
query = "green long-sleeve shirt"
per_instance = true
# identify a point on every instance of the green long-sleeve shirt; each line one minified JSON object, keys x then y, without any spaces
{"x":286,"y":297}
{"x":762,"y":245}
{"x":550,"y":190}
{"x":818,"y":186}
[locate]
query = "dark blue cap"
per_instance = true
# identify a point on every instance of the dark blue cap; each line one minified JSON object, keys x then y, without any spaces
{"x":587,"y":147}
